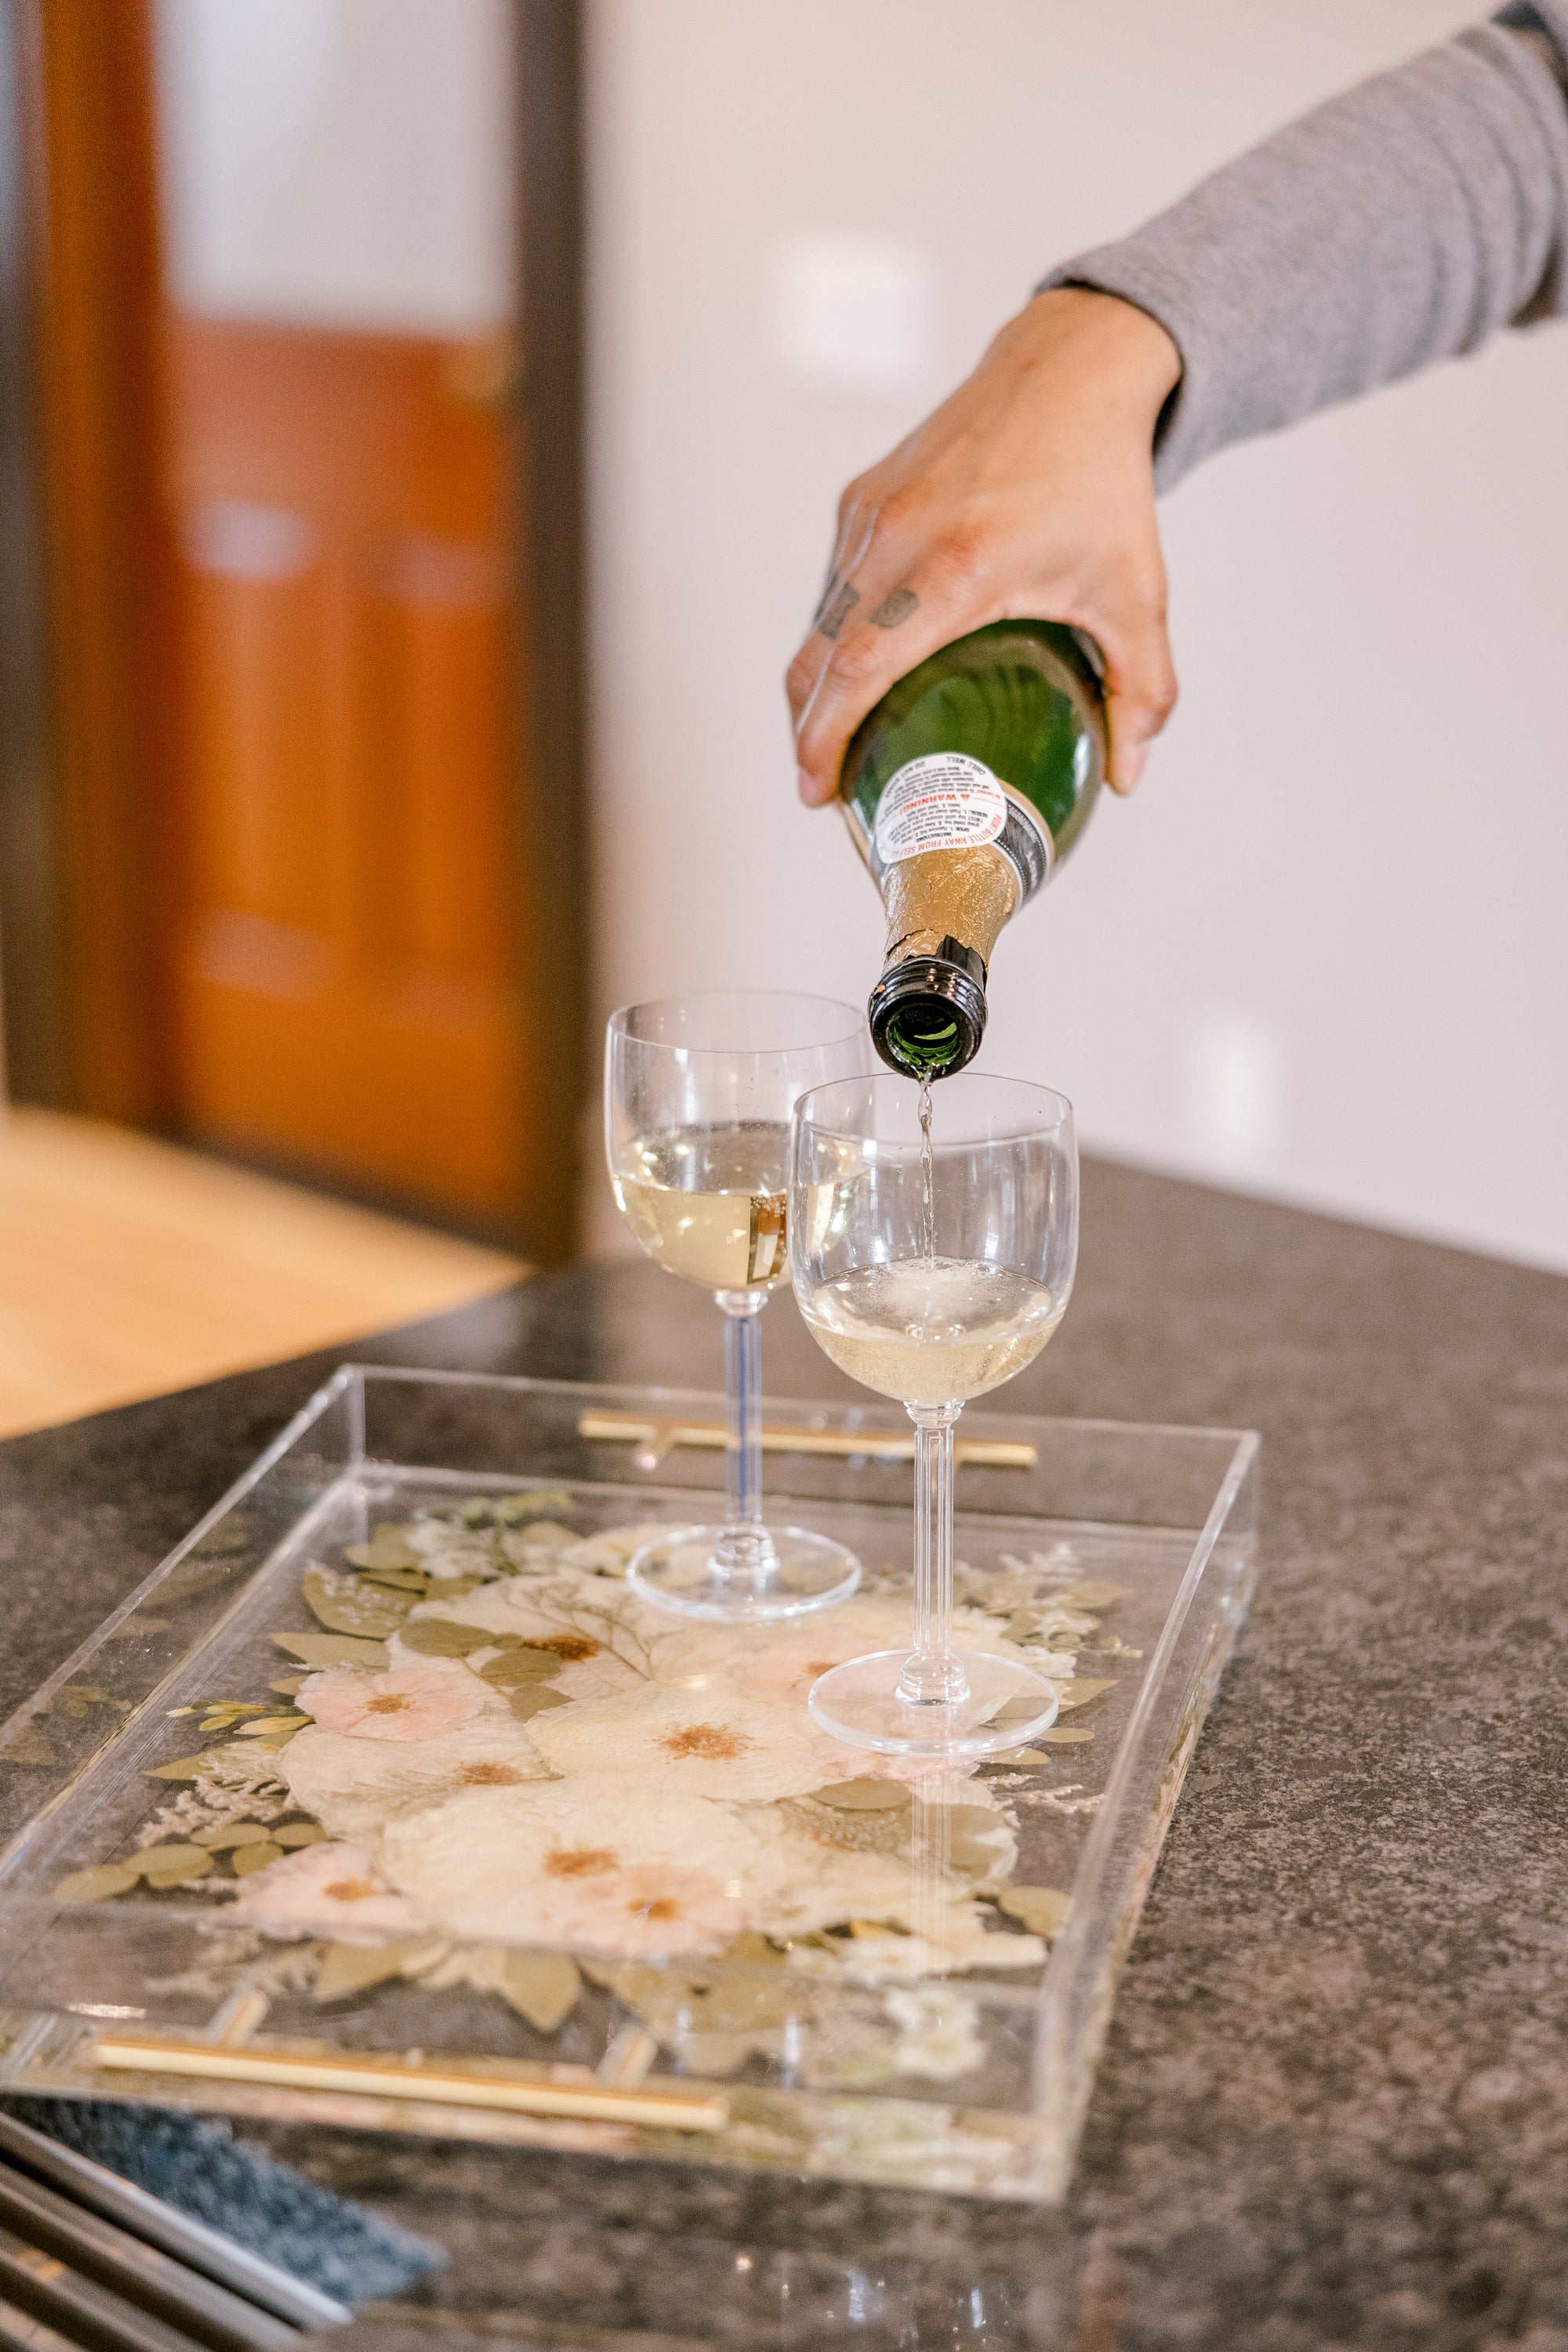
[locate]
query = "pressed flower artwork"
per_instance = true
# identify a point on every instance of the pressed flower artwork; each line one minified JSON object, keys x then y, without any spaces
{"x":481,"y":1761}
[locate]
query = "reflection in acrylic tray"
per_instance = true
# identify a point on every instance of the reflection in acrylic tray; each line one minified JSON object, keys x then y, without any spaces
{"x":388,"y":1802}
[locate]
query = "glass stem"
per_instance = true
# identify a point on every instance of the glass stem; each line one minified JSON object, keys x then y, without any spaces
{"x":933,"y":1675}
{"x":746,"y":1549}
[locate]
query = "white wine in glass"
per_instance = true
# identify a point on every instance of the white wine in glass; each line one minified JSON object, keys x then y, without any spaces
{"x":705,"y":1202}
{"x":698,"y":1096}
{"x":933,"y":1246}
{"x":932,"y":1330}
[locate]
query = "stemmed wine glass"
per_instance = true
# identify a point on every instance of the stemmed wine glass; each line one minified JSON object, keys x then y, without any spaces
{"x":933,"y":1237}
{"x":698,"y":1096}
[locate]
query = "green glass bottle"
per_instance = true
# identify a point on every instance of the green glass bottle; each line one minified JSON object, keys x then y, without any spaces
{"x":965,"y":789}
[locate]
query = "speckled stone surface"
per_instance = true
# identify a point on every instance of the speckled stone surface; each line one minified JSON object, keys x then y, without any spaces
{"x":1333,"y":2111}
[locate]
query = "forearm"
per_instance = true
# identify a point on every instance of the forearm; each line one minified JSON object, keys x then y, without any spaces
{"x":1402,"y":222}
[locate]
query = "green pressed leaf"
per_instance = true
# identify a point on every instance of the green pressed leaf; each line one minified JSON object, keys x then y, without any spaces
{"x":864,"y":1796}
{"x":345,"y":1608}
{"x":514,"y":1669}
{"x":281,"y":1738}
{"x":1080,"y":1693}
{"x":256,"y":1857}
{"x":1092,"y":1596}
{"x":1043,"y":1910}
{"x":742,"y":1997}
{"x":231,"y":1833}
{"x":266,"y":1723}
{"x":542,"y":1987}
{"x":178,"y":1864}
{"x":85,"y":1694}
{"x":1064,"y":1738}
{"x":1018,"y":1710}
{"x":968,"y":1838}
{"x":412,"y":1580}
{"x":511,"y":1508}
{"x":353,"y":1967}
{"x":439,"y":1637}
{"x":96,"y":1886}
{"x":286,"y":1686}
{"x":26,"y":1745}
{"x":293,"y":1833}
{"x":388,"y":1547}
{"x":533,"y":1698}
{"x":333,"y":1650}
{"x":184,"y":1767}
{"x":160,"y":1861}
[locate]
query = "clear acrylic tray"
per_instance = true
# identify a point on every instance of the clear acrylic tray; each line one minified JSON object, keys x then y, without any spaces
{"x":577,"y":1875}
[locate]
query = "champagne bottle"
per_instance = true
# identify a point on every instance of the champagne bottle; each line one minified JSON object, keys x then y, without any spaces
{"x":965,"y":789}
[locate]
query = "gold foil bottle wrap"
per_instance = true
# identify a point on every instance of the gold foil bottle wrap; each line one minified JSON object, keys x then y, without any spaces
{"x":949,"y":894}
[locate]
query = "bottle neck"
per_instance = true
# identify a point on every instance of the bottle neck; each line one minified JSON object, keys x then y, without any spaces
{"x":949,"y":894}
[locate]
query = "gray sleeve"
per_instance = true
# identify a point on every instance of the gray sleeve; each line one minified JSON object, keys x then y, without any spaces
{"x":1400,"y":223}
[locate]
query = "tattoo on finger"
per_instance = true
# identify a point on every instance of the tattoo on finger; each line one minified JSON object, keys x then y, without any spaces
{"x":838,"y":603}
{"x":895,"y":609}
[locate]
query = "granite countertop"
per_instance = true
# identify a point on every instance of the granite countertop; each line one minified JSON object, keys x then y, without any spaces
{"x":1333,"y":2109}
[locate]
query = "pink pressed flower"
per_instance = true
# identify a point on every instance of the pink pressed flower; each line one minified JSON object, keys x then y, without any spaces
{"x":411,"y":1703}
{"x":789,"y":1664}
{"x":652,"y":1909}
{"x":325,"y":1890}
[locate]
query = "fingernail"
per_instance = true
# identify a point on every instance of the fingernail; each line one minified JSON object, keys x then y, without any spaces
{"x":1132,"y":770}
{"x":805,"y":785}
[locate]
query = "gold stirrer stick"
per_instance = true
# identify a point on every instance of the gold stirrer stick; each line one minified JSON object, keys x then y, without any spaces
{"x":447,"y":2084}
{"x":654,"y":1439}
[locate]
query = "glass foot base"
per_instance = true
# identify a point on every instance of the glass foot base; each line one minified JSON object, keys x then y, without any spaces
{"x":679,"y":1571}
{"x":1005,"y":1706}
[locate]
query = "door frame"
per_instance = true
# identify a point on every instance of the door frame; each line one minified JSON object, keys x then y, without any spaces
{"x":88,"y":768}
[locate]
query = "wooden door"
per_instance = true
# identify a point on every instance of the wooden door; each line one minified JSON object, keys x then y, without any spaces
{"x":318,"y":741}
{"x":346,"y":975}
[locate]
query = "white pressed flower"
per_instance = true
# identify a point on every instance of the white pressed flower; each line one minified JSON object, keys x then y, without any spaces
{"x":953,"y":1940}
{"x":445,"y":1550}
{"x":714,"y":1742}
{"x":590,"y":1864}
{"x":607,"y":1553}
{"x":354,"y":1787}
{"x":939,"y":2036}
{"x":822,"y":1886}
{"x":535,"y":1541}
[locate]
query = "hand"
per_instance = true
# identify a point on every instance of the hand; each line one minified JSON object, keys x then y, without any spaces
{"x":1028,"y":494}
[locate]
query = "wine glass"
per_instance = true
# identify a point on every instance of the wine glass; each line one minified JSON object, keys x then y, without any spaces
{"x":698,"y":1096}
{"x":934,"y":1237}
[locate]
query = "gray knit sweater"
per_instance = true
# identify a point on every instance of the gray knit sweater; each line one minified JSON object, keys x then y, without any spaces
{"x":1400,"y":223}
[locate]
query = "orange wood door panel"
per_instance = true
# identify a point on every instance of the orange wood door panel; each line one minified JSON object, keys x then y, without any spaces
{"x":345,"y":974}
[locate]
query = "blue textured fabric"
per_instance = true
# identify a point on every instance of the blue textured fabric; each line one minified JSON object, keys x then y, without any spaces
{"x":198,"y":2166}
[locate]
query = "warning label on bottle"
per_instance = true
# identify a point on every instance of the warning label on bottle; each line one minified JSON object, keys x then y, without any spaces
{"x":946,"y":801}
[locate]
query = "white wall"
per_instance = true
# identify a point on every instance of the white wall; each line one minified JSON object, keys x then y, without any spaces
{"x":339,"y":163}
{"x":1323,"y":953}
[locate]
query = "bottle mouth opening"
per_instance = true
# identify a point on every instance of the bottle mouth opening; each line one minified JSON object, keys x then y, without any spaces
{"x":926,"y":1017}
